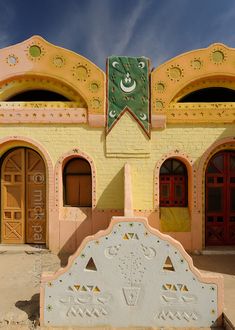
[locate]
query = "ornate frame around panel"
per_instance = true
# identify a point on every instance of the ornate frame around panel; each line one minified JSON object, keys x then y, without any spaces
{"x":188,"y":162}
{"x":59,"y":167}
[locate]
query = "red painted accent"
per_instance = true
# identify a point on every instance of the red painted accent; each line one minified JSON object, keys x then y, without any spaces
{"x":173,"y":183}
{"x":220,"y":203}
{"x":170,"y":182}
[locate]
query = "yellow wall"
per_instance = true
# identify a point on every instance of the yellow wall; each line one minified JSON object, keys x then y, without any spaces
{"x":193,"y":140}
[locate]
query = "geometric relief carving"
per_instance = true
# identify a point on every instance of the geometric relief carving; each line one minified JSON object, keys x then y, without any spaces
{"x":131,"y":295}
{"x":168,"y":265}
{"x":130,"y":236}
{"x":91,"y":265}
{"x":84,"y":307}
{"x":177,"y":315}
{"x":138,"y":277}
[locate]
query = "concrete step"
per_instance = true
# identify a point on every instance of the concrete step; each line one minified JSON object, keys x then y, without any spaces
{"x":219,"y":250}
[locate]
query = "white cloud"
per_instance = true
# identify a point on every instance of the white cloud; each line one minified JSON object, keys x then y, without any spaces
{"x":151,"y":28}
{"x":6,"y":20}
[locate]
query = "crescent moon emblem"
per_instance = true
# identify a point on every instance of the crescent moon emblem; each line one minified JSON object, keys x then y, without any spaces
{"x":149,"y":252}
{"x":141,"y":65}
{"x":142,"y":116}
{"x":114,"y":64}
{"x":128,"y":89}
{"x":112,"y":113}
{"x":112,"y":251}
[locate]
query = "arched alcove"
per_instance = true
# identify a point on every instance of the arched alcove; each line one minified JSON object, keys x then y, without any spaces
{"x":35,"y":64}
{"x":210,"y":95}
{"x":202,"y":76}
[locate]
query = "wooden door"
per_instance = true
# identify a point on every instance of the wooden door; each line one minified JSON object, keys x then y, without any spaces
{"x":13,"y":197}
{"x":35,"y":201}
{"x":23,"y":198}
{"x":220,"y":199}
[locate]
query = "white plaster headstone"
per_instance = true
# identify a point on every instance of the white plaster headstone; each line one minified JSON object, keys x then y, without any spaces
{"x":130,"y":275}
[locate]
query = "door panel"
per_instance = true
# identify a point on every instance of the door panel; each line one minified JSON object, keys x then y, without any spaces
{"x":220,"y":199}
{"x":12,"y":197}
{"x":85,"y":190}
{"x":35,"y":198}
{"x":23,"y":194}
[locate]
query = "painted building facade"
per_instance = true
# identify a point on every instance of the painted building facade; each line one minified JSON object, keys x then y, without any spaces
{"x":63,"y":157}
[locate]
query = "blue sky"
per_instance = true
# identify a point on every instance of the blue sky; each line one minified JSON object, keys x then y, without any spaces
{"x":96,"y":29}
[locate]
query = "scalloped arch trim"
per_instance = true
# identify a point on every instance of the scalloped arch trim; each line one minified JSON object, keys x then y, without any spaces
{"x":37,"y":57}
{"x":169,"y":79}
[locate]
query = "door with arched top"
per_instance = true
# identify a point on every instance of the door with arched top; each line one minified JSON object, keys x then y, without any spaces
{"x":220,"y":199}
{"x":23,"y":197}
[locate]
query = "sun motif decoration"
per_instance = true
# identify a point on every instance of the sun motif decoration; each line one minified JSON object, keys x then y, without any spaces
{"x":128,"y":90}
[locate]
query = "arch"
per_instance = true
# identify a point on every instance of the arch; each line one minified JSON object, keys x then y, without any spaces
{"x":77,"y":173}
{"x":37,"y":57}
{"x":10,"y":142}
{"x":23,"y":190}
{"x":188,"y":162}
{"x":216,"y":82}
{"x":173,"y":174}
{"x":59,"y":167}
{"x":170,"y":78}
{"x":29,"y":82}
{"x":209,"y":95}
{"x":38,"y":95}
{"x":227,"y":143}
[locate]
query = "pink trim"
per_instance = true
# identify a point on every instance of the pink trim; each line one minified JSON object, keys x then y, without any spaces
{"x":203,"y":277}
{"x":72,"y":225}
{"x":75,"y":152}
{"x":189,"y":165}
{"x":191,"y":186}
{"x":96,"y":120}
{"x":6,"y":144}
{"x":222,"y":144}
{"x":158,"y":121}
{"x":43,"y":115}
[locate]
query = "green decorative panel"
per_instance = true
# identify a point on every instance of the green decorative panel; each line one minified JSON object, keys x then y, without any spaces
{"x":128,"y":89}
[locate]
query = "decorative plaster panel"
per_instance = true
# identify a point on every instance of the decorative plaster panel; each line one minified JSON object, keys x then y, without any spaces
{"x":201,"y":68}
{"x":130,"y":275}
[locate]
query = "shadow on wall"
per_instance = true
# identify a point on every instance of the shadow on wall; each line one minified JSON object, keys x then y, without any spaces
{"x":73,"y":232}
{"x":98,"y":220}
{"x":112,"y":196}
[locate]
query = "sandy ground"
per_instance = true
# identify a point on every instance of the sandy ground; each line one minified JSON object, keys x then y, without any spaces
{"x":20,"y":280}
{"x":19,"y":286}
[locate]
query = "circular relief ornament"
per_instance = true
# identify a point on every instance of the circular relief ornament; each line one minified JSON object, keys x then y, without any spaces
{"x":218,"y":56}
{"x":95,"y":103}
{"x":196,"y":63}
{"x":58,"y":61}
{"x":94,"y":86}
{"x":175,"y":73}
{"x":160,"y":87}
{"x":35,"y":51}
{"x":159,"y":104}
{"x":81,"y":72}
{"x":12,"y":60}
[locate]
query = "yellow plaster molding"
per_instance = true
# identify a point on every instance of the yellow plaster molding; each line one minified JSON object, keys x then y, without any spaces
{"x":182,"y":73}
{"x":36,"y":57}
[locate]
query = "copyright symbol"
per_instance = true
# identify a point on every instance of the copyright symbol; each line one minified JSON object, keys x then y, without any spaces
{"x":38,"y":178}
